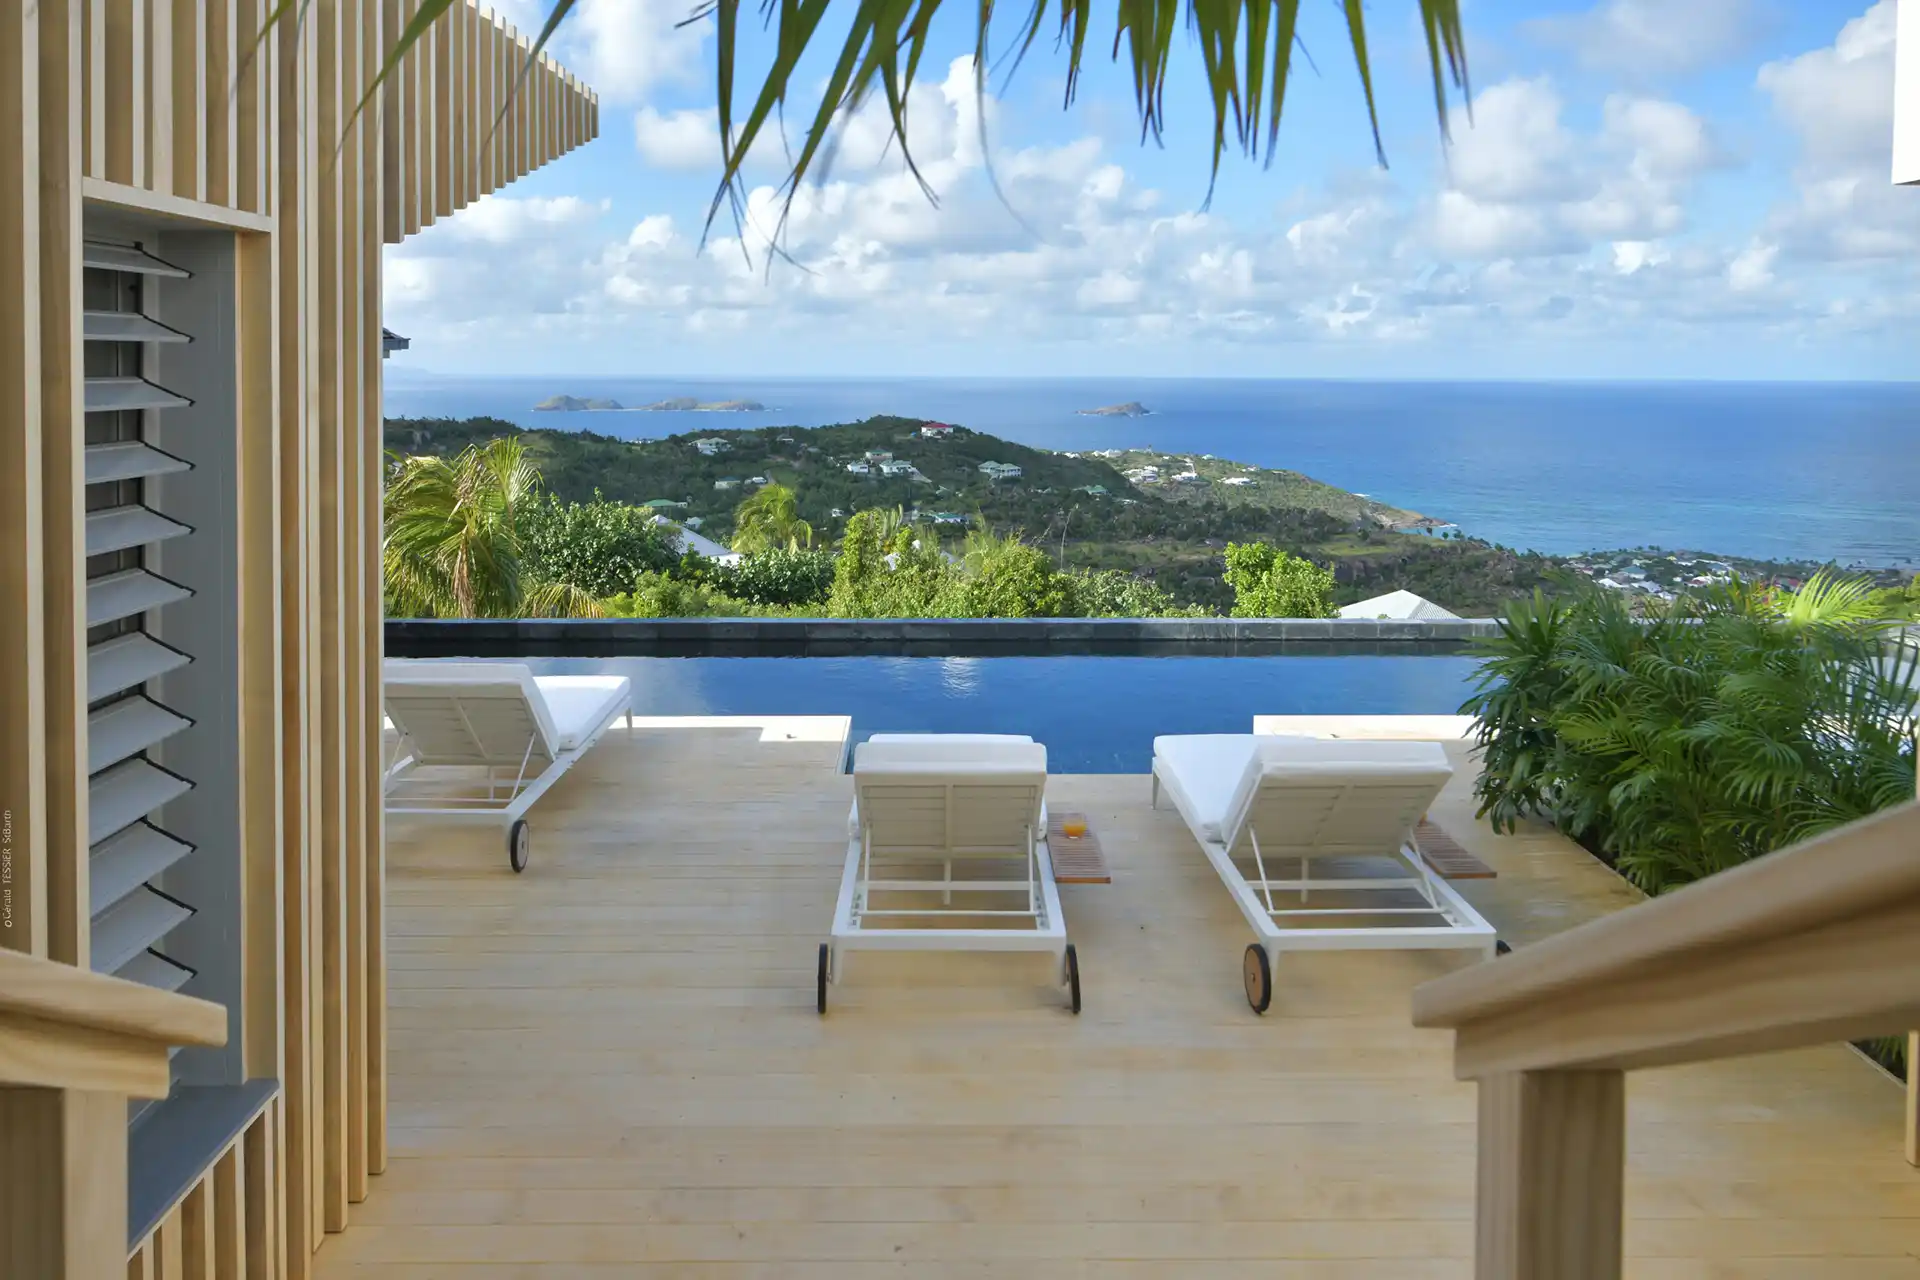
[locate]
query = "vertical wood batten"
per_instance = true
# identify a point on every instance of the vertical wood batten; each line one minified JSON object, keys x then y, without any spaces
{"x":440,"y":42}
{"x":369,"y":1054}
{"x":159,"y":115}
{"x":62,"y":475}
{"x":229,"y":1215}
{"x":190,"y":98}
{"x":252,"y":142}
{"x":262,"y":721}
{"x":222,"y":64}
{"x":23,"y":766}
{"x":125,"y":103}
{"x":392,"y":105}
{"x":293,"y":247}
{"x":328,"y":316}
{"x":360,"y":286}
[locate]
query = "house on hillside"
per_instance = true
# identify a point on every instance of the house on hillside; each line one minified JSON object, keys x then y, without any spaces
{"x":1396,"y":606}
{"x":685,"y":540}
{"x":728,"y":482}
{"x":1238,"y":480}
{"x":898,"y":469}
{"x":935,"y":430}
{"x":712,"y":445}
{"x":859,"y":468}
{"x":1000,"y":471}
{"x":878,"y":455}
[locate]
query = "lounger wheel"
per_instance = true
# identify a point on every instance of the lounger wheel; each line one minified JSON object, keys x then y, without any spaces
{"x":1258,"y":974}
{"x":1072,"y":975}
{"x":820,"y":1001}
{"x":519,"y":845}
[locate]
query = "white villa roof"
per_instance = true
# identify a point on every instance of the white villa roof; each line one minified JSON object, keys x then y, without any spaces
{"x":1400,"y":606}
{"x":691,"y":541}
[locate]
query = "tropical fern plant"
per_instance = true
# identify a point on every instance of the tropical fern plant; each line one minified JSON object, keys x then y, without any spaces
{"x":1730,"y":726}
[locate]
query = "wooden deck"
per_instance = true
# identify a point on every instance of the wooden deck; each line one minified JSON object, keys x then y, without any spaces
{"x":611,"y":1067}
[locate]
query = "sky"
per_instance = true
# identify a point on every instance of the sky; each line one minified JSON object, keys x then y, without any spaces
{"x":1646,"y":189}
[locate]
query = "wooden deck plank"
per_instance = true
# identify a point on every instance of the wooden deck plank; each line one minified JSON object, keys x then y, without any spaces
{"x":610,"y":1066}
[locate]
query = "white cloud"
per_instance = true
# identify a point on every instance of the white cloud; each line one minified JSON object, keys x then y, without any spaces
{"x":1650,"y":38}
{"x":682,"y":140}
{"x":1838,"y":101}
{"x":627,"y":48}
{"x":1536,"y":221}
{"x":1522,"y":182}
{"x":1753,"y":268}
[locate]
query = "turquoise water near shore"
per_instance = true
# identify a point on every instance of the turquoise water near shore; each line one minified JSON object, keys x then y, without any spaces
{"x":1770,"y":470}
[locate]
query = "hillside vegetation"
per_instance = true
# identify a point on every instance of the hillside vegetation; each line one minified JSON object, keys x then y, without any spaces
{"x":1082,"y":509}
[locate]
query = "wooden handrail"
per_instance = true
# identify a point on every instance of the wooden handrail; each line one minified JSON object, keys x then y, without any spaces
{"x":1815,"y":927}
{"x":65,"y":996}
{"x":74,"y":1046}
{"x":1811,"y":945}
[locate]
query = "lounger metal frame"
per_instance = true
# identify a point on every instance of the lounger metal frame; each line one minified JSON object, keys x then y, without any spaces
{"x":1464,"y":929}
{"x":506,"y":800}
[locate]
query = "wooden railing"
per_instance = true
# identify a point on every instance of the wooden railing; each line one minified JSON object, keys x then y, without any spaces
{"x":74,"y":1046}
{"x":1812,"y":945}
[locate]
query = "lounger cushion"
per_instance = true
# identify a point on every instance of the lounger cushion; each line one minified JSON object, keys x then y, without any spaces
{"x":580,"y":704}
{"x":1211,"y":777}
{"x":1201,"y":772}
{"x":948,"y":737}
{"x":946,"y":755}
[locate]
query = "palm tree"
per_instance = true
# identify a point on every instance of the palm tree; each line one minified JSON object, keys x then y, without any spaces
{"x":1246,"y":53}
{"x":452,"y":545}
{"x":768,"y":520}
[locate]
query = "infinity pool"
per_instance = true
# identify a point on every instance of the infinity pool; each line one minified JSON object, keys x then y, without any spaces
{"x":1095,"y":714}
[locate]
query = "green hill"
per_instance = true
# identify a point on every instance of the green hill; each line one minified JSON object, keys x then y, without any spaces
{"x":1081,"y":507}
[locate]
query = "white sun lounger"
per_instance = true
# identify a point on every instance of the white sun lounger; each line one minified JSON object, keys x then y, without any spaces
{"x":523,"y":730}
{"x":924,"y":804}
{"x":1314,"y":838}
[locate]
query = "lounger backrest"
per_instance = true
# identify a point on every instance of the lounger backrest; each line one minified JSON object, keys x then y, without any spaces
{"x":954,"y":799}
{"x":1333,"y":798}
{"x":480,"y":713}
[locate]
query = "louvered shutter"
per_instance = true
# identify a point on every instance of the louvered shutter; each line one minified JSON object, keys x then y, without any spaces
{"x":128,"y":790}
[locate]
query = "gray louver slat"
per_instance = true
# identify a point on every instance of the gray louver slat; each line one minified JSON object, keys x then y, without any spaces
{"x":121,"y":595}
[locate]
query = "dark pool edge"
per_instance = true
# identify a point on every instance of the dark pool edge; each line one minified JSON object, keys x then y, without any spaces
{"x":926,"y":637}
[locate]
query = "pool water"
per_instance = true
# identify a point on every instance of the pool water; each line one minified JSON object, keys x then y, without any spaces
{"x":1095,"y":714}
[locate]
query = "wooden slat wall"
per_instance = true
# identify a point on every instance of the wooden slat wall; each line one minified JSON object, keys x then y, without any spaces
{"x":179,"y":109}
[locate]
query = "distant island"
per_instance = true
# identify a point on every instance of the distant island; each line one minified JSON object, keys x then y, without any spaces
{"x":687,"y":404}
{"x":679,"y":404}
{"x":575,"y":404}
{"x":1131,"y":409}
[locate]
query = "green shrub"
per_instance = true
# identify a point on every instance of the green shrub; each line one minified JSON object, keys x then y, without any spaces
{"x":597,"y":547}
{"x":1110,"y":593}
{"x":1269,"y":583}
{"x":656,"y":595}
{"x":1006,"y":578}
{"x":781,"y":576}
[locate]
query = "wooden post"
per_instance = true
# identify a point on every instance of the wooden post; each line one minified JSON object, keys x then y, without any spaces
{"x":63,"y":1162}
{"x":1552,"y":1166}
{"x":1913,"y":1098}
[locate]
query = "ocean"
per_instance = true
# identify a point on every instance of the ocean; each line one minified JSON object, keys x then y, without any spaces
{"x":1801,"y":471}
